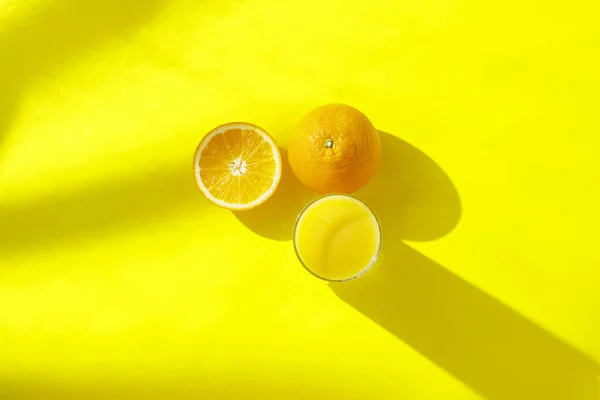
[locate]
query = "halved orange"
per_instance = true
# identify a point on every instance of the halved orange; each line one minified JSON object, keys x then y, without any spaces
{"x":237,"y":166}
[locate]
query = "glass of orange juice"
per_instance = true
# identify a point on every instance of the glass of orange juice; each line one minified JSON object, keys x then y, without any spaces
{"x":337,"y":237}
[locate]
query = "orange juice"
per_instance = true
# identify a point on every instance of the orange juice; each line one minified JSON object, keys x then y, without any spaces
{"x":337,"y":237}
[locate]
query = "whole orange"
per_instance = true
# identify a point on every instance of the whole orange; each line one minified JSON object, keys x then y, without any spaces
{"x":335,"y":148}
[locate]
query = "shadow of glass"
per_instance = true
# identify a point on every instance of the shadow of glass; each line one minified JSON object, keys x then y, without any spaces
{"x":47,"y":40}
{"x":276,"y":217}
{"x":97,"y":210}
{"x":482,"y":342}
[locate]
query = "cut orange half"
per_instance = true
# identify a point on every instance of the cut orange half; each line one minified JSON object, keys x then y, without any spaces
{"x":237,"y":166}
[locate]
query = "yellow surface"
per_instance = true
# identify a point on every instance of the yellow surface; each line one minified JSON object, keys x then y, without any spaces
{"x":337,"y":237}
{"x":119,"y":281}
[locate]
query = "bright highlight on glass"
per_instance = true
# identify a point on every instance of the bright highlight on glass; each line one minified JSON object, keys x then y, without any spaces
{"x":337,"y":237}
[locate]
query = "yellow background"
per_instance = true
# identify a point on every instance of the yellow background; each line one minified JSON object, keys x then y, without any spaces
{"x":119,"y":281}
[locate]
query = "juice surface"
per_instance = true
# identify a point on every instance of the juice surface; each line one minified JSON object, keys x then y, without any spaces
{"x":337,"y":237}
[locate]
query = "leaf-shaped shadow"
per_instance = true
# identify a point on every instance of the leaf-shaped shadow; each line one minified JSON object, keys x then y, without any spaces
{"x":54,"y":34}
{"x":98,"y":210}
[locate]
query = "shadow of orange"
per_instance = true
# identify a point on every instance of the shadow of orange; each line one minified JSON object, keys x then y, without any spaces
{"x":411,"y":194}
{"x":398,"y":192}
{"x":482,"y":342}
{"x":276,"y":217}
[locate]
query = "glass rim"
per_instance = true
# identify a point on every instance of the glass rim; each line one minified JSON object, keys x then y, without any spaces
{"x":373,"y":259}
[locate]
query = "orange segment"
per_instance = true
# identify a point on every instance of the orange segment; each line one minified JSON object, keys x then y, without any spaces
{"x":237,"y":166}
